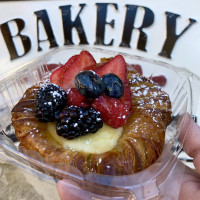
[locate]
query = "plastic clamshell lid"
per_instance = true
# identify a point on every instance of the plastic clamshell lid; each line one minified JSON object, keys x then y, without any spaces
{"x":180,"y":86}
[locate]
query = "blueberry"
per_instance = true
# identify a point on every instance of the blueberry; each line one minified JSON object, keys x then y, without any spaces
{"x":89,"y":84}
{"x":113,"y":85}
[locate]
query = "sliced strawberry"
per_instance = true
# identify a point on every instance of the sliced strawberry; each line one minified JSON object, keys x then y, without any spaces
{"x":76,"y":99}
{"x":127,"y":98}
{"x":137,"y":67}
{"x":84,"y":59}
{"x":95,"y":68}
{"x":117,"y":66}
{"x":113,"y":111}
{"x":66,"y":66}
{"x":57,"y":75}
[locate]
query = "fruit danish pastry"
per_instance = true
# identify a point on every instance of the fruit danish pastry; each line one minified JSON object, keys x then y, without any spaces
{"x":98,"y":117}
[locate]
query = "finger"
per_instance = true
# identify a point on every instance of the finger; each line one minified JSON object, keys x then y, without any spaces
{"x":190,"y":138}
{"x":190,"y":184}
{"x":191,"y":143}
{"x":69,"y":191}
{"x":196,"y":161}
{"x":190,"y":189}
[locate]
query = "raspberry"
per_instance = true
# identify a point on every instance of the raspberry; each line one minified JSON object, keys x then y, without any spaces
{"x":113,"y":111}
{"x":137,"y":68}
{"x":160,"y":80}
{"x":76,"y":99}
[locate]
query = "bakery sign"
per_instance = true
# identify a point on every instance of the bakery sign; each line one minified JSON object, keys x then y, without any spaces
{"x":165,"y":31}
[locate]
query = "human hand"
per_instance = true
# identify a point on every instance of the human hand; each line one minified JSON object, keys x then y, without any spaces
{"x":190,"y":188}
{"x":69,"y":191}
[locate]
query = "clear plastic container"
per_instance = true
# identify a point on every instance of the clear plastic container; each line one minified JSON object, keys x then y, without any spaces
{"x":182,"y":87}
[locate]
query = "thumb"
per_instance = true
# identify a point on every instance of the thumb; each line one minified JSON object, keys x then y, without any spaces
{"x":68,"y":190}
{"x":190,"y":188}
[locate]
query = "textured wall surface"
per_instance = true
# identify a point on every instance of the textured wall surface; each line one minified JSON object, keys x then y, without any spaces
{"x":18,"y":185}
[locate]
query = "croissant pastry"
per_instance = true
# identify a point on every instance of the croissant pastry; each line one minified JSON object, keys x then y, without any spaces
{"x":139,"y":146}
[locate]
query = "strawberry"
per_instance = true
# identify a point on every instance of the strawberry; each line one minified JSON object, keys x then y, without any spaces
{"x":127,"y":98}
{"x":95,"y":68}
{"x":67,"y":65}
{"x":83,"y":60}
{"x":64,"y":75}
{"x":57,"y":75}
{"x":113,"y":111}
{"x":76,"y":99}
{"x":116,"y":65}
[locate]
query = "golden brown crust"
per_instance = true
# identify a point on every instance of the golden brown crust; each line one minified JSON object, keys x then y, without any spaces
{"x":140,"y":145}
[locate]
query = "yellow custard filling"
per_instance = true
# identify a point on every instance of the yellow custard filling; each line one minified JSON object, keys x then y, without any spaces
{"x":102,"y":141}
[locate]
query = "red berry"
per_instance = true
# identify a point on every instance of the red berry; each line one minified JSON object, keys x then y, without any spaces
{"x":113,"y":111}
{"x":95,"y":68}
{"x":137,"y":67}
{"x":83,"y":60}
{"x":76,"y":99}
{"x":64,"y":75}
{"x":116,"y":65}
{"x":67,"y":65}
{"x":160,"y":80}
{"x":127,"y":98}
{"x":57,"y":75}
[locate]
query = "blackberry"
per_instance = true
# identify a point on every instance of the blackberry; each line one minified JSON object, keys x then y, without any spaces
{"x":77,"y":121}
{"x":50,"y":100}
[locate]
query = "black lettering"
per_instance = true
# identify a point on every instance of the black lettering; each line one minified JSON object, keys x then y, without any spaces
{"x":101,"y":23}
{"x":9,"y":39}
{"x":148,"y":20}
{"x":43,"y":16}
{"x":68,"y":24}
{"x":171,"y":36}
